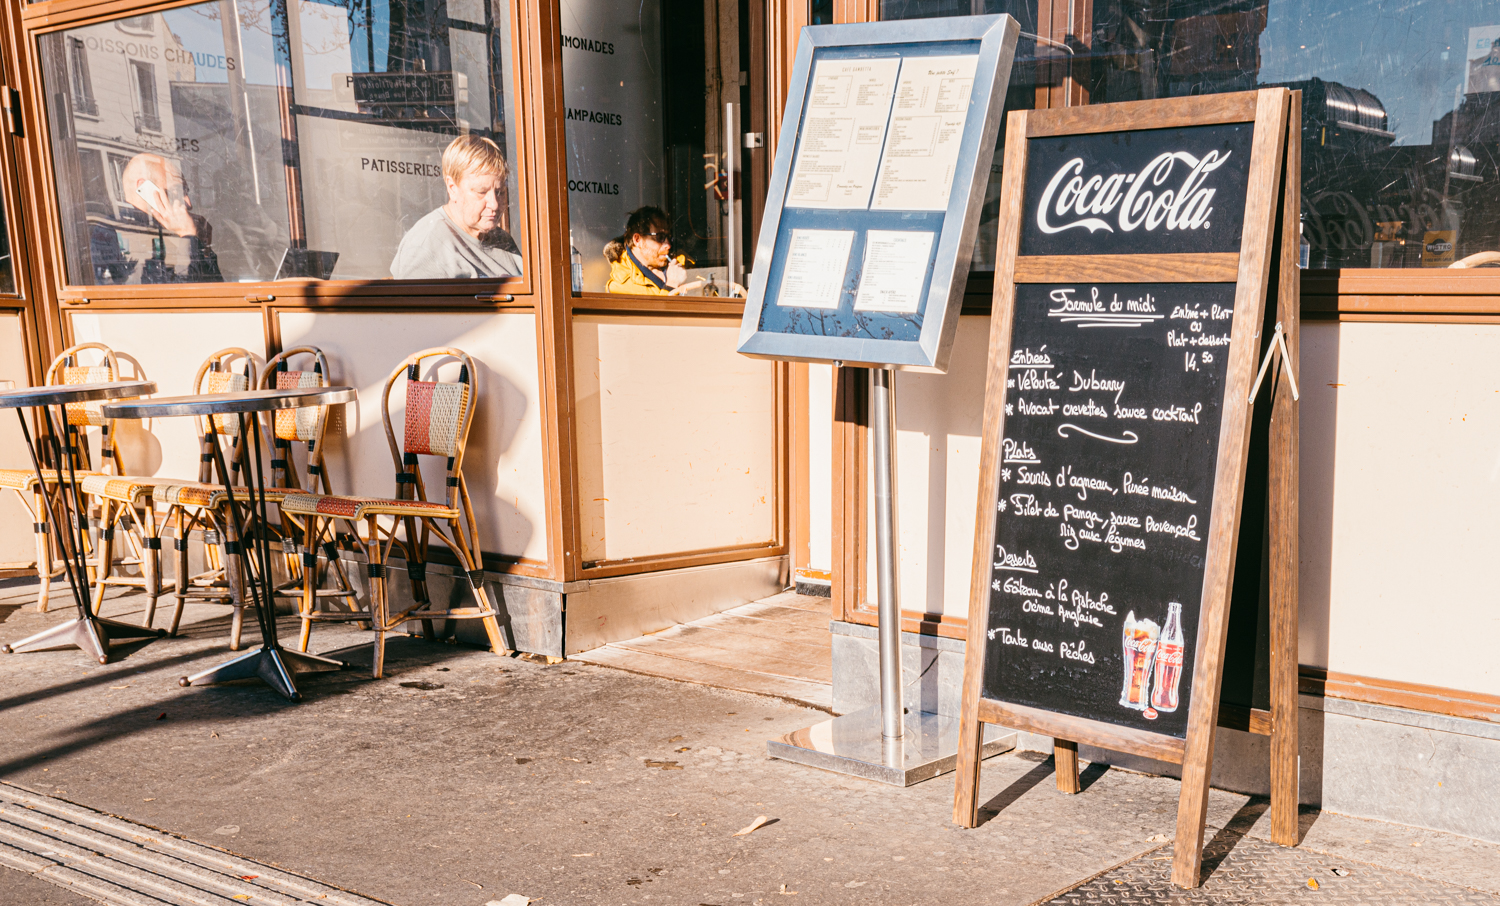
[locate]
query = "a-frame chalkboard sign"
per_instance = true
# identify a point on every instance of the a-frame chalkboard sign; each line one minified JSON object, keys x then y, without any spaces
{"x":1146,"y":267}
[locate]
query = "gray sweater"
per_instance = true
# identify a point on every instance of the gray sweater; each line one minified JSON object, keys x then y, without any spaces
{"x":436,"y":248}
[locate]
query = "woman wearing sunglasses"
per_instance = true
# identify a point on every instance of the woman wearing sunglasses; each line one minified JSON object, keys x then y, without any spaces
{"x":641,"y":260}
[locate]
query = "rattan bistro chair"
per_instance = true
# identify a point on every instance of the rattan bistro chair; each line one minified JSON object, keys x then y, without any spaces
{"x":287,"y":429}
{"x":190,"y":505}
{"x":66,"y":369}
{"x":199,"y":505}
{"x":436,"y":423}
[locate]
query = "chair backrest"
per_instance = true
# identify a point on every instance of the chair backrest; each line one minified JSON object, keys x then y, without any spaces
{"x":304,"y":425}
{"x":436,"y":421}
{"x":70,"y":368}
{"x":225,"y":371}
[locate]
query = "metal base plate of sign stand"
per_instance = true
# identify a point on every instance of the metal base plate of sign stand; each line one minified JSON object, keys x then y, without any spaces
{"x":852,"y":744}
{"x":887,"y":742}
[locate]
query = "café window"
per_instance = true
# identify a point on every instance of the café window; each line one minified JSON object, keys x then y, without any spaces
{"x":1401,"y":108}
{"x":1037,"y":63}
{"x":261,"y":140}
{"x":646,"y":83}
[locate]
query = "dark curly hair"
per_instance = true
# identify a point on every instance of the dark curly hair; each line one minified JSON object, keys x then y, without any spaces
{"x":648,"y":219}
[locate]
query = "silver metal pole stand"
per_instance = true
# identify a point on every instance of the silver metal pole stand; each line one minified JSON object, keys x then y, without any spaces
{"x":882,"y":426}
{"x":886,"y":742}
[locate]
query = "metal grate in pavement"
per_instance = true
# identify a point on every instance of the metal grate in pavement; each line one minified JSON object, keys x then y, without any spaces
{"x":126,"y":864}
{"x":1264,"y":874}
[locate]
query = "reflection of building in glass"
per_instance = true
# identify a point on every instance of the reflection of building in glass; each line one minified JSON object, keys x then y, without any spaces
{"x":1367,"y":201}
{"x":117,"y":75}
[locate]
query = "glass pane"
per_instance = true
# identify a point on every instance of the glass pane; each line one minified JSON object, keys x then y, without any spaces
{"x":645,"y":128}
{"x":1036,"y":66}
{"x":1401,"y":160}
{"x":248,"y":140}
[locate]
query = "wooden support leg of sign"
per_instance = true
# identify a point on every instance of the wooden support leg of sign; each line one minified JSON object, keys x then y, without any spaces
{"x":1065,"y":757}
{"x":1283,"y":506}
{"x":1197,"y":763}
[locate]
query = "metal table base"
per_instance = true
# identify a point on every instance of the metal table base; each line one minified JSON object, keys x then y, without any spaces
{"x":852,"y":744}
{"x":65,"y":509}
{"x":93,"y":636}
{"x":274,"y":666}
{"x":270,"y":663}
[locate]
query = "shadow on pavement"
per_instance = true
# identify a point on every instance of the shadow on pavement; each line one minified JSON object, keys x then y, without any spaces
{"x":1231,"y":833}
{"x":1018,"y":788}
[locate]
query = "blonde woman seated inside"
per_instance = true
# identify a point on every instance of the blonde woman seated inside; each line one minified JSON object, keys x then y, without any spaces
{"x":463,"y":238}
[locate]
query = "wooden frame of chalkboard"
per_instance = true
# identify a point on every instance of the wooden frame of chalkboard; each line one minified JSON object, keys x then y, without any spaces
{"x":1062,"y":269}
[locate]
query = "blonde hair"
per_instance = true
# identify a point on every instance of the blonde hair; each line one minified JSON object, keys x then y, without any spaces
{"x":472,"y":154}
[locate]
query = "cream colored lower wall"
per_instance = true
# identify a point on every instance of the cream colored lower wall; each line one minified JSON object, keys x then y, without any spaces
{"x":503,"y":465}
{"x":938,"y":422}
{"x":676,"y":437}
{"x":1400,"y":477}
{"x":820,"y":464}
{"x":16,"y":541}
{"x":166,"y":348}
{"x":1400,"y":471}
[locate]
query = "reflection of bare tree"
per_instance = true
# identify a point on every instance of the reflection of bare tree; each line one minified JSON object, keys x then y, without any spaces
{"x":252,"y":16}
{"x":820,"y":322}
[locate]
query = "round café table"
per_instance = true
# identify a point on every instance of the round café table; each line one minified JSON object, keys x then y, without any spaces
{"x":271,"y":663}
{"x":66,"y":509}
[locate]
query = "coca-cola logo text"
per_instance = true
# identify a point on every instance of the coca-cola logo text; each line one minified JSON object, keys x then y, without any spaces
{"x":1132,"y":200}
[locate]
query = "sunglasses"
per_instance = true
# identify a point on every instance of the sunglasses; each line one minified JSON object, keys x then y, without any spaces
{"x":663,"y":237}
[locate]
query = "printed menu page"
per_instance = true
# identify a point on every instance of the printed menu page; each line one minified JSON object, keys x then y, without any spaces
{"x":849,"y":102}
{"x":926,"y":129}
{"x":894,"y":269}
{"x":815,"y":266}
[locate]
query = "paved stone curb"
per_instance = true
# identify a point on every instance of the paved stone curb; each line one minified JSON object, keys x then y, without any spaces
{"x":120,"y":862}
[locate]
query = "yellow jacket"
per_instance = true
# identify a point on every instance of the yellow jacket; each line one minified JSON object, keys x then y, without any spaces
{"x":625,"y":277}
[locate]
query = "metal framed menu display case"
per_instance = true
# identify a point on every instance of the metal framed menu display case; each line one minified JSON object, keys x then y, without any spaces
{"x":873,"y":208}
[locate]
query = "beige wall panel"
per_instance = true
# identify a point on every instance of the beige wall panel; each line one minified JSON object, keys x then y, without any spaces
{"x":676,"y":437}
{"x":503,"y":464}
{"x":16,"y":540}
{"x":938,"y":422}
{"x":166,"y":348}
{"x":1400,"y":475}
{"x":820,"y":466}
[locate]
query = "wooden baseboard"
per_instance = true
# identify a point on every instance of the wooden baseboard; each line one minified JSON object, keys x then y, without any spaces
{"x":1412,"y":696}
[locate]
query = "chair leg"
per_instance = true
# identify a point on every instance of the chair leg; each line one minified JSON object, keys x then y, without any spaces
{"x":379,"y":609}
{"x":234,"y":572}
{"x":150,"y":561}
{"x":106,"y":552}
{"x":309,"y":581}
{"x":179,"y":522}
{"x":491,"y":622}
{"x":43,"y":549}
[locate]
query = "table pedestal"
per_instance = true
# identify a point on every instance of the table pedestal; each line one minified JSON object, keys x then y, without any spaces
{"x":93,"y":635}
{"x":272,"y":664}
{"x":275,"y":666}
{"x":67,"y":511}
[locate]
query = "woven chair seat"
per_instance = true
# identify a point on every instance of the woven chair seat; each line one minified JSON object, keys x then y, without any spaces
{"x":25,"y":479}
{"x":211,"y":496}
{"x":130,"y":489}
{"x":357,"y":508}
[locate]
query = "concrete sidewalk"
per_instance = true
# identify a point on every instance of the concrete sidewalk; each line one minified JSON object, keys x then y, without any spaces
{"x":462,"y":777}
